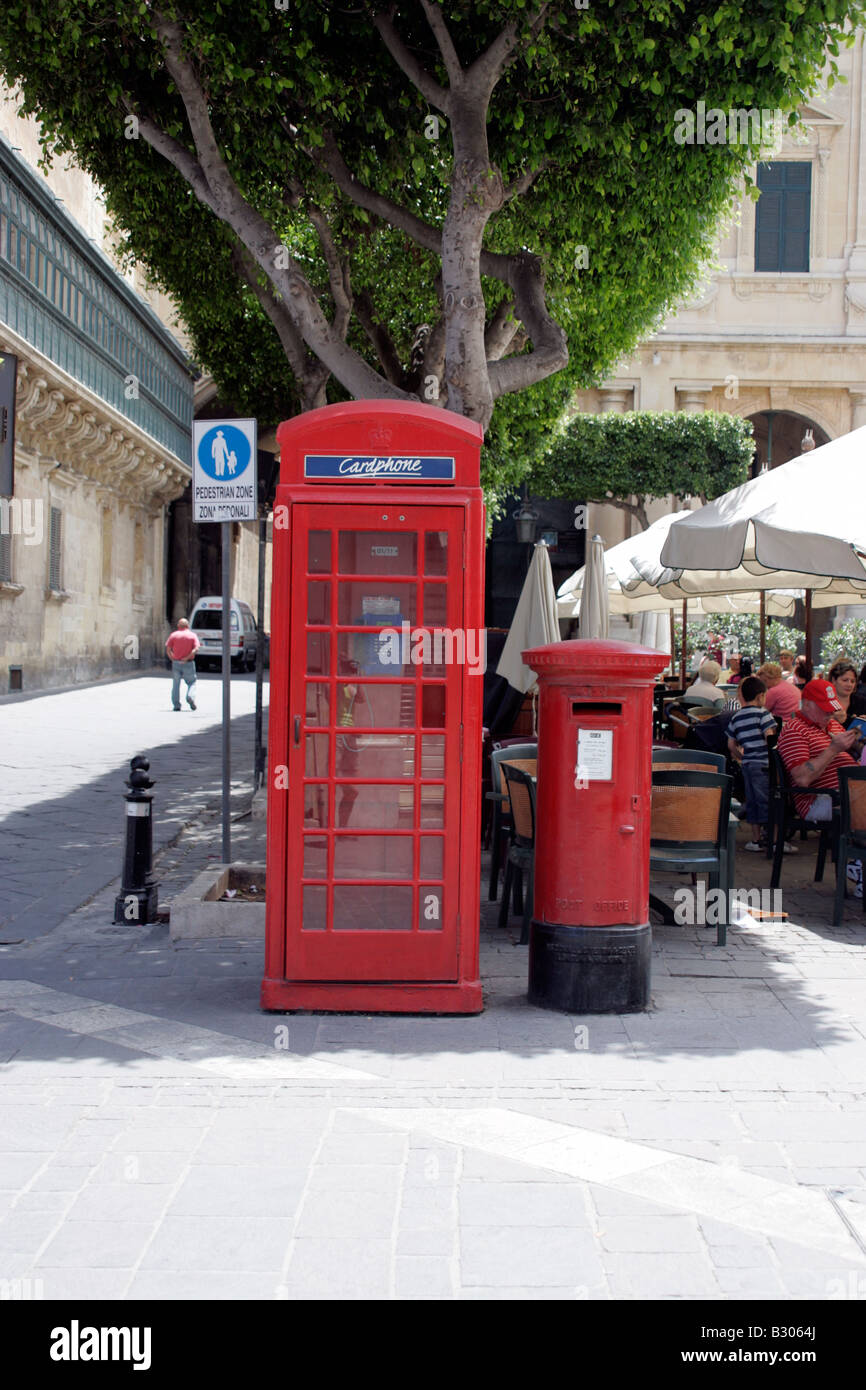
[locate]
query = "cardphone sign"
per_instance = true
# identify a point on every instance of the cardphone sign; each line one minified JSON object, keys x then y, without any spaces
{"x":224,"y":458}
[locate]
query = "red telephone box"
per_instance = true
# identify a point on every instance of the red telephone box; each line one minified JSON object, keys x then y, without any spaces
{"x":375,"y":712}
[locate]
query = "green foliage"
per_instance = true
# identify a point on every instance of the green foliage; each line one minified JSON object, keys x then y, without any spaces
{"x":738,"y":632}
{"x":592,"y":96}
{"x":849,"y":640}
{"x":610,"y":458}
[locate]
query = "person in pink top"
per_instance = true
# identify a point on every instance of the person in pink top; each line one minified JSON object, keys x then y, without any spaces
{"x":783,"y":697}
{"x":182,"y":646}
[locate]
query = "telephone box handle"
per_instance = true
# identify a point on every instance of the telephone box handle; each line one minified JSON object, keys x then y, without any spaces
{"x":297,"y":729}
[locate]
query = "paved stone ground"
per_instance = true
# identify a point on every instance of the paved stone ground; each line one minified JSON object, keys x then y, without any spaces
{"x":162,"y":1138}
{"x":64,"y":758}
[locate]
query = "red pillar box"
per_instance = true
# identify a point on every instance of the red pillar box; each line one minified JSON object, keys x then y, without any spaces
{"x":377,"y":657}
{"x":590,"y":939}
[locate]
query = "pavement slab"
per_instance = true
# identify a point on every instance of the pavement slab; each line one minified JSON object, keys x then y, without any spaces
{"x":161,"y":1138}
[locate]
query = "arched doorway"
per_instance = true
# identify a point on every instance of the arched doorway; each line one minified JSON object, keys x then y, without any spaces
{"x":779,"y":437}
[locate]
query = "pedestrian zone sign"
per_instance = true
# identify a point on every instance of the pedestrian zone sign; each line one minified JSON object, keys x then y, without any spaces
{"x":224,"y":461}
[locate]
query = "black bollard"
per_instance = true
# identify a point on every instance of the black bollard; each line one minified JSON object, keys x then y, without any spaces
{"x":137,"y":900}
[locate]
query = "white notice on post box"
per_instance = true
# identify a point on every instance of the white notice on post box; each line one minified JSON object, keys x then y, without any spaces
{"x":595,"y":755}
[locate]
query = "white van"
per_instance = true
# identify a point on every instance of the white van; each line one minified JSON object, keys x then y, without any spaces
{"x":207,"y":624}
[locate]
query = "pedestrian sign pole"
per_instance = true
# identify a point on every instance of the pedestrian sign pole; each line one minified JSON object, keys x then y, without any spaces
{"x":224,"y":490}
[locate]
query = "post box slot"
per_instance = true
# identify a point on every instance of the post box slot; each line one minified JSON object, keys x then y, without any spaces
{"x":581,"y":707}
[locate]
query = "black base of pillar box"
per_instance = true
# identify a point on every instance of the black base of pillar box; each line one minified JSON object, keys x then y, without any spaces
{"x":137,"y":907}
{"x":590,"y":970}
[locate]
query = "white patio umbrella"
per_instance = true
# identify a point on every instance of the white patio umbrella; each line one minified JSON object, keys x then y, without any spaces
{"x":595,"y":606}
{"x":806,"y":517}
{"x":807,"y":513}
{"x":534,"y":623}
{"x":633,"y":569}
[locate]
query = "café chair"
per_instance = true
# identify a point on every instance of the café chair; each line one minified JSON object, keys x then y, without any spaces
{"x":688,"y":760}
{"x":507,"y":748}
{"x":784,"y":818}
{"x":691,"y":831}
{"x":520,"y":784}
{"x":852,"y":832}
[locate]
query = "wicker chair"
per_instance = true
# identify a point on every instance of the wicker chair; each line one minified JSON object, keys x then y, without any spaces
{"x":688,"y":760}
{"x":520,"y":784}
{"x":691,"y":829}
{"x":511,"y":749}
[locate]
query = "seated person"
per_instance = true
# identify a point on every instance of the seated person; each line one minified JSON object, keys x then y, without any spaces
{"x":843,"y":674}
{"x":813,"y":746}
{"x":704,"y":688}
{"x":783,"y":697}
{"x":786,"y":662}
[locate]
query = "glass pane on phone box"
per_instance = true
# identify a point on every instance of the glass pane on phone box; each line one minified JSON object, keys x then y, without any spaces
{"x":431,"y":911}
{"x":374,"y":654}
{"x":319,"y":601}
{"x":433,"y":755}
{"x":315,"y":911}
{"x":316,"y":755}
{"x":433,"y":808}
{"x":376,"y":603}
{"x":435,"y":552}
{"x":431,"y":863}
{"x":318,"y":552}
{"x":375,"y":808}
{"x":315,"y":856}
{"x":318,"y":705}
{"x":435,"y":604}
{"x":433,"y":706}
{"x":316,"y":806}
{"x":372,"y":856}
{"x":378,"y":552}
{"x":318,"y":653}
{"x":363,"y":705}
{"x":383,"y":907}
{"x":378,"y":755}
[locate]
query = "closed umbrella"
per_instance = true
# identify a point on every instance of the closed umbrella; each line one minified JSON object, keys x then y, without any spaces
{"x":535,"y":621}
{"x":595,"y":606}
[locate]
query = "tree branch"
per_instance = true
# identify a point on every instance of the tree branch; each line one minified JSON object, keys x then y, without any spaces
{"x":311,"y":375}
{"x":445,"y":42}
{"x":220,"y":181}
{"x":524,"y":181}
{"x":489,"y":67}
{"x":338,"y":271}
{"x":500,"y":331}
{"x":256,"y":234}
{"x":176,"y":154}
{"x":550,"y":348}
{"x":418,"y":76}
{"x":379,"y":337}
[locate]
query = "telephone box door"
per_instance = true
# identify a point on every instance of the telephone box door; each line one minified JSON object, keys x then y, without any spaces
{"x":374,"y":742}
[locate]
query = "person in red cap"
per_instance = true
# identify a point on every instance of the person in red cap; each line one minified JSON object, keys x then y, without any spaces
{"x":813,"y":746}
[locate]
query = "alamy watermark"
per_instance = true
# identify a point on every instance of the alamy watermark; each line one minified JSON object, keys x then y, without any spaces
{"x":738,"y":126}
{"x":22,"y":516}
{"x":440,"y":646}
{"x":703,"y":907}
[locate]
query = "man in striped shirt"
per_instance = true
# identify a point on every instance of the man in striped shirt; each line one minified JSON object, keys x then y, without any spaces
{"x":814,"y":746}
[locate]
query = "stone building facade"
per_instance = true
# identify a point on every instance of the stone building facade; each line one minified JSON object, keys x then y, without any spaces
{"x":102,"y":435}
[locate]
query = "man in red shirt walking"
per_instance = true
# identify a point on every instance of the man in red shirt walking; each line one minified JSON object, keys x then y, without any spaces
{"x":814,"y":746}
{"x":182,"y":646}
